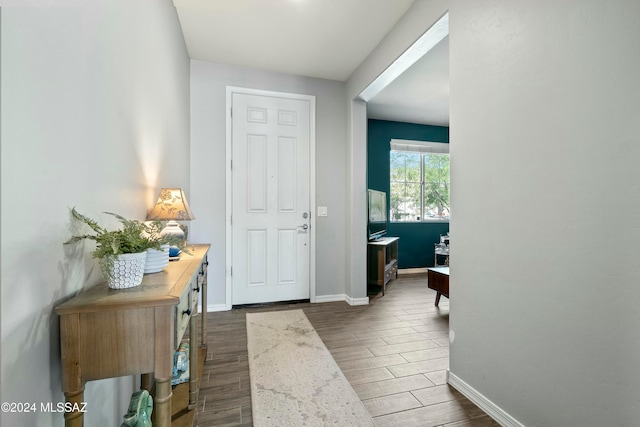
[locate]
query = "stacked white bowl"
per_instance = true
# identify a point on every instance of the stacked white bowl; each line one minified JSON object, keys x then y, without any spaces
{"x":157,"y":260}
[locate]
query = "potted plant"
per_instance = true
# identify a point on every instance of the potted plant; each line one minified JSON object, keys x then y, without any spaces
{"x":122,"y":253}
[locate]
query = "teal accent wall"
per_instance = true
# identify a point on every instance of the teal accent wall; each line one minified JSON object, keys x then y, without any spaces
{"x":415,"y":248}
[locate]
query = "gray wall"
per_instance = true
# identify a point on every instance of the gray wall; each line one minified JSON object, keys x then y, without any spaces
{"x":208,"y":167}
{"x":94,"y":115}
{"x":545,"y":184}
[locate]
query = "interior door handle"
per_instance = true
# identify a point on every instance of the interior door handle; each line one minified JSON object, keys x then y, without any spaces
{"x":303,"y":226}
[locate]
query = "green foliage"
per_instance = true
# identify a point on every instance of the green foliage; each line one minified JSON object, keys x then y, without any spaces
{"x":133,"y":237}
{"x":436,"y":181}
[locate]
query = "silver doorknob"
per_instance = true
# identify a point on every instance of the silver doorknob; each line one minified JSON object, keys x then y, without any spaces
{"x":304,"y":226}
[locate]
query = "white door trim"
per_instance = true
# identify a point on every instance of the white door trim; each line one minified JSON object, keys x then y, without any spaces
{"x":229,"y":185}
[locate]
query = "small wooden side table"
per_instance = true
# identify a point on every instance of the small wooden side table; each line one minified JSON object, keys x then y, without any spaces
{"x":438,"y":280}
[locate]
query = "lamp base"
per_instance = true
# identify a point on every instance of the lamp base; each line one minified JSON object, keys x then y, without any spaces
{"x":173,"y":229}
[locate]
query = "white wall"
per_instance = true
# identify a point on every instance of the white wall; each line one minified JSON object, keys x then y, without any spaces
{"x":208,"y":168}
{"x":95,"y":113}
{"x":546,"y":187}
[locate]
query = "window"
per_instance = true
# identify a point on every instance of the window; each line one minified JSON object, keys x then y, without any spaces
{"x":419,"y":181}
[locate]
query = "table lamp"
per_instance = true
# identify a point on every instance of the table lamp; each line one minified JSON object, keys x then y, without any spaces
{"x":172,"y":205}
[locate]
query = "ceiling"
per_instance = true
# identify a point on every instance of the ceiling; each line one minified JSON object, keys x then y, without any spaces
{"x":325,"y":39}
{"x":420,"y":94}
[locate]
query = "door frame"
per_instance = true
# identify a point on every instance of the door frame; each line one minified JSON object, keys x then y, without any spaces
{"x":229,"y":185}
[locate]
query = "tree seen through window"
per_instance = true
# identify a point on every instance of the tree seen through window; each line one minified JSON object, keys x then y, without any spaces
{"x":419,"y":184}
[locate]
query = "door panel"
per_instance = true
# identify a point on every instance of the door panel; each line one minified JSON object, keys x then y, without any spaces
{"x":256,"y":173}
{"x":287,"y":174}
{"x":287,"y":257}
{"x":257,"y":257}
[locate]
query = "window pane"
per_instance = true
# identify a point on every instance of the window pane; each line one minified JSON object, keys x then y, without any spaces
{"x":436,"y":186}
{"x":405,"y":166}
{"x":405,"y":186}
{"x":405,"y":201}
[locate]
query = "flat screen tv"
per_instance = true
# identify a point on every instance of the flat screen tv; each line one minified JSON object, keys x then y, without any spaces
{"x":377,"y":223}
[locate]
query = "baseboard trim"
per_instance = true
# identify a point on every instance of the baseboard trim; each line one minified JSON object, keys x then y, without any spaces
{"x":342,"y":297}
{"x":421,"y":270}
{"x":319,"y":299}
{"x":216,"y":307}
{"x":490,"y":408}
{"x":330,"y":298}
{"x":357,"y":301}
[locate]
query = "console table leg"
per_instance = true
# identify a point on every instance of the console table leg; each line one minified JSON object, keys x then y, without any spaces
{"x":163,"y":402}
{"x":76,"y":418}
{"x":203,"y":315}
{"x":438,"y":298}
{"x":193,"y":362}
{"x":145,"y":382}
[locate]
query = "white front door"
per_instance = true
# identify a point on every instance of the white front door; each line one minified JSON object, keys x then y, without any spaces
{"x":271,"y":203}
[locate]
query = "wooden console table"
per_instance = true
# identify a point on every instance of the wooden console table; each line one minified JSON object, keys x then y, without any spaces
{"x":382,"y":261}
{"x":107,"y":333}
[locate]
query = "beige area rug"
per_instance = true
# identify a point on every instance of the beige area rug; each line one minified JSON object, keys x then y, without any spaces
{"x":294,"y":379}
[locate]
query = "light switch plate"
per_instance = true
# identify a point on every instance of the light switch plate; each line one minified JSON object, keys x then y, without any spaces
{"x":322,"y":211}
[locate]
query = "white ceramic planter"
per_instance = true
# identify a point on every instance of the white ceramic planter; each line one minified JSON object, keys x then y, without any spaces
{"x":125,"y":271}
{"x":157,"y":260}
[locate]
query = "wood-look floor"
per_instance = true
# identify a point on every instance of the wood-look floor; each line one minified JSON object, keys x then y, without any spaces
{"x":394,"y":352}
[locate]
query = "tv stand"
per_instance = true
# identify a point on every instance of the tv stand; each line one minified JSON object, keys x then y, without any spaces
{"x":382,"y":261}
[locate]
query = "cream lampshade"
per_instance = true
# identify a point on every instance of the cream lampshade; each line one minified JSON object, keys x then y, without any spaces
{"x":172,"y":205}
